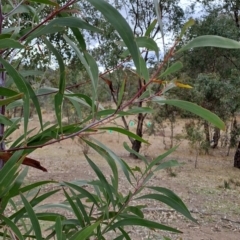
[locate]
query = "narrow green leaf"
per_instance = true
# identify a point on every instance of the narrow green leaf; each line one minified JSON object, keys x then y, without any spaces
{"x":150,"y":28}
{"x":94,"y":70}
{"x":44,"y":31}
{"x":61,"y":65}
{"x":18,"y":214}
{"x":80,"y":205}
{"x":91,"y":70}
{"x":158,"y":159}
{"x":7,"y":92}
{"x":58,"y":229}
{"x":109,"y":160}
{"x":199,"y":111}
{"x":59,"y":24}
{"x":121,"y":26}
{"x":125,"y":132}
{"x":78,"y":98}
{"x":145,"y":94}
{"x":12,"y":128}
{"x":102,"y":178}
{"x":58,"y":102}
{"x":172,"y":69}
{"x":59,"y":96}
{"x":12,"y":226}
{"x":170,"y":202}
{"x":17,"y":184}
{"x":136,"y":110}
{"x":33,"y":72}
{"x":85,"y":233}
{"x":6,"y":101}
{"x":33,"y":218}
{"x":124,"y":234}
{"x":84,"y":192}
{"x":125,"y":168}
{"x":75,"y":209}
{"x":187,"y":25}
{"x":20,"y":139}
{"x":170,"y":194}
{"x":21,"y":85}
{"x":3,"y":36}
{"x":168,"y":164}
{"x":211,"y":41}
{"x":10,"y":43}
{"x":48,"y":216}
{"x":79,"y":38}
{"x":143,"y":223}
{"x":54,"y":205}
{"x":9,"y":173}
{"x":35,"y":101}
{"x":149,"y":43}
{"x":158,"y":10}
{"x":4,"y":120}
{"x":34,"y":186}
{"x":135,"y":210}
{"x":47,"y":2}
{"x":17,"y":103}
{"x":136,"y":153}
{"x":77,"y":107}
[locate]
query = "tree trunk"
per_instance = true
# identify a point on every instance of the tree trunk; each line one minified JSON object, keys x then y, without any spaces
{"x":206,"y":131}
{"x":237,"y":157}
{"x":136,"y":145}
{"x":216,"y":137}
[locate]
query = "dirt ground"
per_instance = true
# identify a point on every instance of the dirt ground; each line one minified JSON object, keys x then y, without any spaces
{"x":211,"y":191}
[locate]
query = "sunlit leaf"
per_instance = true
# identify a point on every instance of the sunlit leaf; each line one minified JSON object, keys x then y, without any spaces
{"x":181,"y":85}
